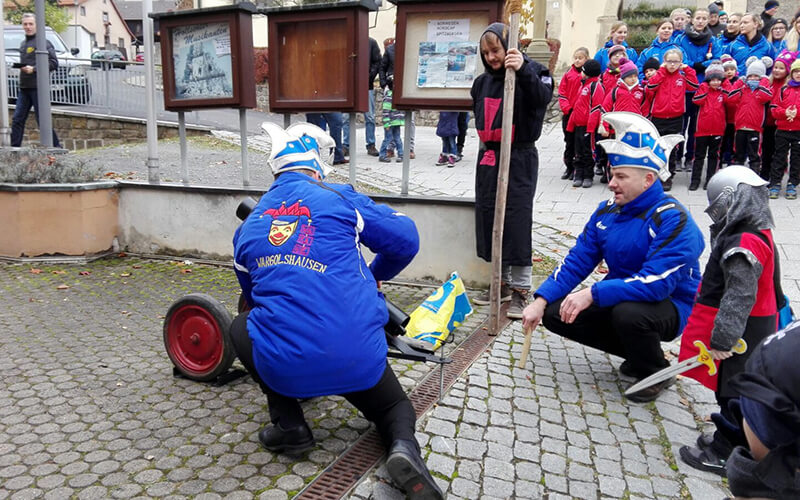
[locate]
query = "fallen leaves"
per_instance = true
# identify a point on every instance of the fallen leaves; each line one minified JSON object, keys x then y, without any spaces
{"x":537,"y":259}
{"x":63,"y":287}
{"x":58,"y":272}
{"x":35,"y":271}
{"x":85,"y":273}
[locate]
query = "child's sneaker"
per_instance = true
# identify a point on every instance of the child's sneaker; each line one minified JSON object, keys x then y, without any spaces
{"x":442,"y":160}
{"x":774,"y":192}
{"x":791,"y":192}
{"x":451,"y":161}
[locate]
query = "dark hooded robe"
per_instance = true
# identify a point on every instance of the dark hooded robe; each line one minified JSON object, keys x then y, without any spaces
{"x":534,"y":90}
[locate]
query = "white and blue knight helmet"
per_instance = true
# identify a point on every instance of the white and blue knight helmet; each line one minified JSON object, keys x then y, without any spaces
{"x":302,"y":146}
{"x":638,"y":144}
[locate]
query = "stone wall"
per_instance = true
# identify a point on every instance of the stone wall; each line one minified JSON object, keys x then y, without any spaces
{"x":82,"y":130}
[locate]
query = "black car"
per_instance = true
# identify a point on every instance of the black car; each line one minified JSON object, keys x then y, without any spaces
{"x":108,"y":59}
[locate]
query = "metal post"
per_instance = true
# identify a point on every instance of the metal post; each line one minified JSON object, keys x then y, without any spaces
{"x":106,"y":66}
{"x":243,"y":132}
{"x":5,"y":134}
{"x":406,"y":157}
{"x":182,"y":141}
{"x":149,"y":78}
{"x":42,"y":79}
{"x":353,"y":148}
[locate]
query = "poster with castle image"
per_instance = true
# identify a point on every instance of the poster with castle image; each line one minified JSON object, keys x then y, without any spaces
{"x":202,"y":61}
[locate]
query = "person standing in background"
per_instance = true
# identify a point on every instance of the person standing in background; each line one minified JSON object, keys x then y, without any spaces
{"x":28,"y":96}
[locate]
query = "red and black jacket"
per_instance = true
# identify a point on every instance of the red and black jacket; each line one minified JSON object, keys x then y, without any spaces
{"x":711,"y":116}
{"x":568,"y":89}
{"x":763,"y":320}
{"x":730,"y":107}
{"x":669,"y":91}
{"x":775,"y":87}
{"x":620,"y":98}
{"x":609,"y":79}
{"x":588,"y":106}
{"x":750,"y":104}
{"x":785,"y":98}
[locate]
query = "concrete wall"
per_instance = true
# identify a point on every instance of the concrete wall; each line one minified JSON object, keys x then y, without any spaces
{"x":200,"y":221}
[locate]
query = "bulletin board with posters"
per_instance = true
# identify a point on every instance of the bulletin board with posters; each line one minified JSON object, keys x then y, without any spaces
{"x":207,"y":58}
{"x":437,"y":56}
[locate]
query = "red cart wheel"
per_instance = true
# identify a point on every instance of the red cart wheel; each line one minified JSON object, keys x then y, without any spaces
{"x":197,"y":338}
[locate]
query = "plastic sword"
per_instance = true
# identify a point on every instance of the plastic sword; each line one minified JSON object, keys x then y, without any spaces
{"x":704,"y":358}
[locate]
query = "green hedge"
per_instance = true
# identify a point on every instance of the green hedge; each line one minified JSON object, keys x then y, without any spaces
{"x":641,"y":21}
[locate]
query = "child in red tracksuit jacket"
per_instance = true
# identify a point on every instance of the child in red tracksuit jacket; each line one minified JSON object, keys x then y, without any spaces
{"x":626,"y":95}
{"x":731,"y":77}
{"x":668,"y":88}
{"x":750,"y":97}
{"x":616,"y":54}
{"x":649,"y":69}
{"x":710,"y":99}
{"x":568,"y":90}
{"x":787,"y":138}
{"x":778,"y":78}
{"x":583,"y":122}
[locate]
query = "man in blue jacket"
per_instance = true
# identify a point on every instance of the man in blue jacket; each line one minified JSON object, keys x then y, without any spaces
{"x":651,"y":246}
{"x":315,"y":326}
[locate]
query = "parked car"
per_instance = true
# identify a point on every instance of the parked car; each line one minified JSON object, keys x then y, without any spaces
{"x":68,"y":84}
{"x":108,"y":59}
{"x":140,"y":57}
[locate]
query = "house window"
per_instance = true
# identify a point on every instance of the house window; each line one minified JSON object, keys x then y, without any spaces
{"x":93,"y":39}
{"x":105,"y":17}
{"x":121,"y":44}
{"x":83,"y":10}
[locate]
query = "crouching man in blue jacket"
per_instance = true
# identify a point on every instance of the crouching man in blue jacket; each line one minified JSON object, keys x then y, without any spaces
{"x":315,"y":327}
{"x":651,"y":246}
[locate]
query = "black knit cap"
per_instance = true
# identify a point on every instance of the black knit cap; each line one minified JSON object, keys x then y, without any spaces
{"x":651,"y":63}
{"x":591,"y":68}
{"x":770,"y":4}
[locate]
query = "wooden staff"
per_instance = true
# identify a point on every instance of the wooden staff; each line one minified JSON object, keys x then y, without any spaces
{"x":526,"y":348}
{"x":513,"y":8}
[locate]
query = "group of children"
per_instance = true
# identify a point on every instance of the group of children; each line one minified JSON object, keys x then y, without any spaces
{"x":733,"y":116}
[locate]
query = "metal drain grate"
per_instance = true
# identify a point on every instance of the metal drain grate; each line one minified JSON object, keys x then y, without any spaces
{"x":341,"y":476}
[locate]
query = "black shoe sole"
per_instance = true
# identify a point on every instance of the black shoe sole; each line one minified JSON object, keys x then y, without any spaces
{"x":692,"y":462}
{"x":292,"y":449}
{"x":646,"y":399}
{"x":416,"y":483}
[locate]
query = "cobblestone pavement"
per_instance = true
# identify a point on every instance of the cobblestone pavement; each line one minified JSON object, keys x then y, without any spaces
{"x":558,"y":429}
{"x":89,"y":407}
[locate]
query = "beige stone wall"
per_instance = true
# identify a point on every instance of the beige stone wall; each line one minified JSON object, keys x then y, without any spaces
{"x":81,"y":132}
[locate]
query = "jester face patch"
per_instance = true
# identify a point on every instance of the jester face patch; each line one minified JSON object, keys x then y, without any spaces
{"x":284,"y":221}
{"x":280,"y":231}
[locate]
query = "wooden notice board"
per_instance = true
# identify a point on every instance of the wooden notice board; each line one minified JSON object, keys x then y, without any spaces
{"x":319,"y":57}
{"x":207,"y":57}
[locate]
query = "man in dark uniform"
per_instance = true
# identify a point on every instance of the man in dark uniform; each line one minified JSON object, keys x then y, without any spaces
{"x":27,"y":96}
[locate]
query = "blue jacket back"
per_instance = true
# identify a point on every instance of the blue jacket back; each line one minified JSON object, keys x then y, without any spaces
{"x":651,"y":246}
{"x":317,"y":316}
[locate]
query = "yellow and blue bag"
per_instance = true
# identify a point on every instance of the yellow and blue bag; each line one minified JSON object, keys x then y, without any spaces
{"x":441,"y":313}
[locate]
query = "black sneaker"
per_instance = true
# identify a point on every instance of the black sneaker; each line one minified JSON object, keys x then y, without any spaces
{"x":567,"y":174}
{"x":278,"y":440}
{"x":650,"y":393}
{"x":485,"y":299}
{"x":407,"y":470}
{"x":694,"y":186}
{"x":519,"y":299}
{"x":703,"y":459}
{"x":668,"y":184}
{"x":627,"y":369}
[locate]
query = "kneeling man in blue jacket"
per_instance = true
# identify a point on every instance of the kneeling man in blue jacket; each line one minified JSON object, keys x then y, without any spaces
{"x":315,"y":327}
{"x":651,"y":246}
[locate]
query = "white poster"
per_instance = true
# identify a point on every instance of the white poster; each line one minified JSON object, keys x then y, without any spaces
{"x":447,"y":64}
{"x":448,"y":30}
